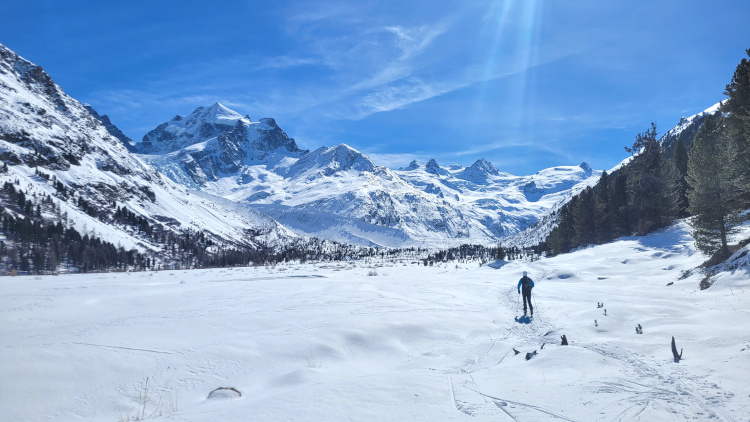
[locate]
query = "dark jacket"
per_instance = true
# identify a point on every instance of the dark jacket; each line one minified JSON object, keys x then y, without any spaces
{"x":526,"y":283}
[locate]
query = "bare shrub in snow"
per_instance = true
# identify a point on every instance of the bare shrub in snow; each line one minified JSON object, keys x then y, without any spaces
{"x":313,"y":360}
{"x":151,"y":403}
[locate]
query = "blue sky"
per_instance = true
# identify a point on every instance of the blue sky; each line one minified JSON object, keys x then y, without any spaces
{"x":525,"y":84}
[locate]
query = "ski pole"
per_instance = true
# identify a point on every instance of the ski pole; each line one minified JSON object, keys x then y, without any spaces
{"x":534,"y":297}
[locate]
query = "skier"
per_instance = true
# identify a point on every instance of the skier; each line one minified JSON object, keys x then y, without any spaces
{"x":527,"y":284}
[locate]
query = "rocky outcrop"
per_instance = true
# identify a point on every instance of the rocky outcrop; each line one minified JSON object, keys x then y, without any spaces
{"x":479,"y":171}
{"x":111,"y":128}
{"x":219,"y":142}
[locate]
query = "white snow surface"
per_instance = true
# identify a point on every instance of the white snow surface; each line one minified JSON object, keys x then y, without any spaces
{"x":406,"y":342}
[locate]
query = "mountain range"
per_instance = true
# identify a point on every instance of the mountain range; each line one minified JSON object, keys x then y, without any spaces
{"x":338,"y":193}
{"x":55,"y":148}
{"x":244,"y":182}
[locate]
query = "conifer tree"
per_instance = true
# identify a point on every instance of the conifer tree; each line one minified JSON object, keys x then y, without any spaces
{"x":619,"y":206}
{"x":560,"y":239}
{"x":603,"y":218}
{"x":738,"y":107}
{"x":680,"y":160}
{"x":644,"y":184}
{"x":670,"y":201}
{"x":714,"y":182}
{"x":584,"y":232}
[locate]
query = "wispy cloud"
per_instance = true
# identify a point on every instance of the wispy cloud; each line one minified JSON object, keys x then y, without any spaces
{"x":281,"y":62}
{"x":412,"y":41}
{"x":395,"y":161}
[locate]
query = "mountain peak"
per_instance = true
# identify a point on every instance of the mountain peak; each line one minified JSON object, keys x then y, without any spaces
{"x":433,"y":167}
{"x":413,"y":165}
{"x":217,"y":114}
{"x":325,"y":161}
{"x":485,"y":166}
{"x":202,"y":124}
{"x":479,"y":171}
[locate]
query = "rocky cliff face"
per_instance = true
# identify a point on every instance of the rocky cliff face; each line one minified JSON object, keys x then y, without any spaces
{"x":479,"y":172}
{"x":111,"y":128}
{"x":42,"y":126}
{"x":213,"y":142}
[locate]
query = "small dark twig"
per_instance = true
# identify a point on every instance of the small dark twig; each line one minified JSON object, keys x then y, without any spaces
{"x":677,"y":357}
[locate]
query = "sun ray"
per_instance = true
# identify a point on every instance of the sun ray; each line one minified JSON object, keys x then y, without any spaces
{"x":514,"y":26}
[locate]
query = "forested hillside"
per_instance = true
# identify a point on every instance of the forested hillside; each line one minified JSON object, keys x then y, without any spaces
{"x":703,"y":174}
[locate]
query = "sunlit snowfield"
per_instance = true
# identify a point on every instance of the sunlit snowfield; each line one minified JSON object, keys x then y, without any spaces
{"x":383,"y":341}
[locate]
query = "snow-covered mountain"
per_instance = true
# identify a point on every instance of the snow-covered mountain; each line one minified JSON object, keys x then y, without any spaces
{"x":247,"y":177}
{"x":214,"y":142}
{"x":45,"y":132}
{"x":338,"y":193}
{"x":686,"y":129}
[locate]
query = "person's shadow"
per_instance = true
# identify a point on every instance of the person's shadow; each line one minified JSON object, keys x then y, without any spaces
{"x":523,"y":320}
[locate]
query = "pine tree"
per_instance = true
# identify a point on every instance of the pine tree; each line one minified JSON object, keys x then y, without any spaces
{"x":714,"y":182}
{"x":603,"y":218}
{"x":644,"y":184}
{"x":738,"y":107}
{"x":680,"y":160}
{"x":670,"y":201}
{"x":500,"y":255}
{"x":560,"y":239}
{"x":619,"y":206}
{"x":583,"y":219}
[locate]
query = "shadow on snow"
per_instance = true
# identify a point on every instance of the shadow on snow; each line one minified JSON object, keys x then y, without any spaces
{"x":523,"y":320}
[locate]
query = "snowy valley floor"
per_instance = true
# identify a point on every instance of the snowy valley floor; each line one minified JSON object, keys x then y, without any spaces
{"x":332,"y":343}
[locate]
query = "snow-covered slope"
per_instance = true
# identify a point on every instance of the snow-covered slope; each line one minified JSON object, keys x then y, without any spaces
{"x":503,"y":203}
{"x":43,"y":129}
{"x":340,"y":194}
{"x":404,"y":343}
{"x":686,"y":129}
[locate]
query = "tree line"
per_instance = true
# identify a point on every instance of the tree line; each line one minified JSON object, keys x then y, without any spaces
{"x":706,"y":179}
{"x":38,"y":239}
